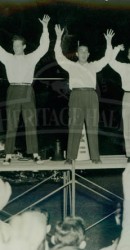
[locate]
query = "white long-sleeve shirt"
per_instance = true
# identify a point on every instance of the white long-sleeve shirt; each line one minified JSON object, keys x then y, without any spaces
{"x":20,"y":68}
{"x":122,"y":68}
{"x":81,"y":76}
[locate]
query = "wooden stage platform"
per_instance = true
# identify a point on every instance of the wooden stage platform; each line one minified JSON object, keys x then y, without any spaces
{"x":108,"y":162}
{"x":70,"y":179}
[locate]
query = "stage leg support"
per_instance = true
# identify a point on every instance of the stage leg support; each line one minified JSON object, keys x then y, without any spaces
{"x":67,"y":194}
{"x":73,"y":189}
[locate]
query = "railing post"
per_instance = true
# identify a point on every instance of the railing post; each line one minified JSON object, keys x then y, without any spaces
{"x":65,"y":195}
{"x":73,"y":189}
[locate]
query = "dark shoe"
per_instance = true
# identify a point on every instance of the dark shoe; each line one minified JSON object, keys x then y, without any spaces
{"x":96,"y":161}
{"x":38,"y":160}
{"x":68,"y":161}
{"x":6,"y":162}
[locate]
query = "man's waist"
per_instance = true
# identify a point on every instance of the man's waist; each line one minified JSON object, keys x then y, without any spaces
{"x":83,"y":89}
{"x":20,"y":83}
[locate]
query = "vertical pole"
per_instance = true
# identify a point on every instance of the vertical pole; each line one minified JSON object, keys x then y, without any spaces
{"x":70,"y":193}
{"x":65,"y":195}
{"x":73,"y":188}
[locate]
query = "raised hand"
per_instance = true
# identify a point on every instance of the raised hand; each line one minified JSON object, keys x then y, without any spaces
{"x":45,"y":20}
{"x":59,"y":31}
{"x":121,"y":47}
{"x":109,"y":35}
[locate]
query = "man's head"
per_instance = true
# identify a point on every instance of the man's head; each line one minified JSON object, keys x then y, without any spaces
{"x":70,"y":232}
{"x":82,"y":54}
{"x":30,"y":227}
{"x":19,"y":45}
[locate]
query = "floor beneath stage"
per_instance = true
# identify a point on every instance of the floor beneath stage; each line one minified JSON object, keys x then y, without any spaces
{"x":89,"y":205}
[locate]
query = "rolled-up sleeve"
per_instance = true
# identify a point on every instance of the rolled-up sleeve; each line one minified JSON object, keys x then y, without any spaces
{"x":4,"y":55}
{"x":61,"y":59}
{"x":43,"y":47}
{"x":100,"y":64}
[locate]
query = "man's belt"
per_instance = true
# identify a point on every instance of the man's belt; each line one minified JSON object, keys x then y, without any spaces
{"x":83,"y":89}
{"x":20,"y":83}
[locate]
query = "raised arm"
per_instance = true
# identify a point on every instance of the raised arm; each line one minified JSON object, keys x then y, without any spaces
{"x":4,"y":55}
{"x":117,"y":66}
{"x":61,"y":59}
{"x":44,"y":40}
{"x":105,"y":60}
{"x":108,"y":36}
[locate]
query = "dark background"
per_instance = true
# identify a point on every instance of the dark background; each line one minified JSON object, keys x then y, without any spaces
{"x":85,"y":21}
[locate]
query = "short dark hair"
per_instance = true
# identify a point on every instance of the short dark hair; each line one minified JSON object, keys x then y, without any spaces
{"x":19,"y":38}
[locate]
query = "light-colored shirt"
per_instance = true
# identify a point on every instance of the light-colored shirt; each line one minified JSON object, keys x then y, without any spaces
{"x":122,"y":68}
{"x":81,"y":76}
{"x":20,"y":68}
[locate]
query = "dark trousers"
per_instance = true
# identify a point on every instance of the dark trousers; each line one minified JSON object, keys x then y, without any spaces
{"x":83,"y":107}
{"x":21,"y":99}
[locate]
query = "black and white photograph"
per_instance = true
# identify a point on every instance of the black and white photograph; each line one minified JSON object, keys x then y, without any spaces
{"x":64,"y":124}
